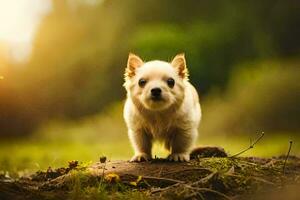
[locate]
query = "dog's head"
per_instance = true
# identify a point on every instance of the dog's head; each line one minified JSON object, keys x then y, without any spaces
{"x":156,"y":85}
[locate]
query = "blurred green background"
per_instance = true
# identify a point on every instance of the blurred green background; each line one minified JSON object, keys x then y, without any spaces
{"x":63,"y":100}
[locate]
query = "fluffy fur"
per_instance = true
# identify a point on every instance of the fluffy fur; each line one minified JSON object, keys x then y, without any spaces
{"x":173,"y":119}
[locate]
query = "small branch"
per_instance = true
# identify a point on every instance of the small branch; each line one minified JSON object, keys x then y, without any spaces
{"x":287,"y":156}
{"x":188,"y":169}
{"x":162,"y":179}
{"x":261,"y":180}
{"x":209,"y":190}
{"x":192,"y":188}
{"x":160,"y":171}
{"x":164,"y":189}
{"x":205,"y":179}
{"x":251,"y":145}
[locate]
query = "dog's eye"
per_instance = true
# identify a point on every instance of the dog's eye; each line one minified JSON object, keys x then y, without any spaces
{"x":142,"y":82}
{"x":171,"y":82}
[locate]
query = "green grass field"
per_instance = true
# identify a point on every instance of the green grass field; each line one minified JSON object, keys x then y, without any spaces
{"x":25,"y":156}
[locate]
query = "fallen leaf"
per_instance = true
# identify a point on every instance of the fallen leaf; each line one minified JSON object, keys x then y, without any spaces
{"x":112,"y":178}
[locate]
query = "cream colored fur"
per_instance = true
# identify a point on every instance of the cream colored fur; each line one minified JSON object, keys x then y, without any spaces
{"x":173,"y":120}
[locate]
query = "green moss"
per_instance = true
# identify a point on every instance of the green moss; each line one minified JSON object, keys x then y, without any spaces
{"x":84,"y":185}
{"x":216,"y":164}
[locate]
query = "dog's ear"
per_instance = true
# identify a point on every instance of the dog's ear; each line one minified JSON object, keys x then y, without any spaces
{"x":179,"y":63}
{"x":133,"y":63}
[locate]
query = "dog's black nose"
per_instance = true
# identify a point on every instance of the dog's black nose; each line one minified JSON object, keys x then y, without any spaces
{"x":155,"y":92}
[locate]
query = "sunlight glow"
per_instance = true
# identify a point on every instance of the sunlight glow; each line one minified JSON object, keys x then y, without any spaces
{"x":18,"y":22}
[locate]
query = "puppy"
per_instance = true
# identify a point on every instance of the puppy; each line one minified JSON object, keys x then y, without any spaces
{"x":161,"y":105}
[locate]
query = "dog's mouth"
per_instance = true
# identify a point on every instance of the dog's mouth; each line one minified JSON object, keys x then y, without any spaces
{"x":156,"y":98}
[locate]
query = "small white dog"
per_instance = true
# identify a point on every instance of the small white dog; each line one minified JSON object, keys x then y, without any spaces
{"x":161,"y":105}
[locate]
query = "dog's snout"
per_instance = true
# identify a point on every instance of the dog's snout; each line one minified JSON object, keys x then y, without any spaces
{"x":156,"y":92}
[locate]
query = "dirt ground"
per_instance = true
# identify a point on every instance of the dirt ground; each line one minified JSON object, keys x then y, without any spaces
{"x":201,"y":178}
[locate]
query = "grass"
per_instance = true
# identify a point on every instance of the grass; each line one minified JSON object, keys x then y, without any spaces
{"x":27,"y":156}
{"x":99,"y":189}
{"x":32,"y":156}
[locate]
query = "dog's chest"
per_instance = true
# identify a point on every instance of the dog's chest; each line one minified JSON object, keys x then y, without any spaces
{"x":159,"y":127}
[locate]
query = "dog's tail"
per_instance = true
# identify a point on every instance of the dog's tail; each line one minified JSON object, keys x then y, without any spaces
{"x":208,"y":151}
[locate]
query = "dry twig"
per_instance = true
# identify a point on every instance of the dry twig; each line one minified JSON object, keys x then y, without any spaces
{"x":209,"y":190}
{"x":189,"y":169}
{"x":162,"y":179}
{"x":205,"y":179}
{"x":165,"y":188}
{"x":287,"y":156}
{"x":250,"y":147}
{"x":261,"y":180}
{"x":192,"y":188}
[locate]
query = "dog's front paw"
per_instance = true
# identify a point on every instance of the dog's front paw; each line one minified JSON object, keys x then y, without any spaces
{"x":179,"y":157}
{"x":140,"y":157}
